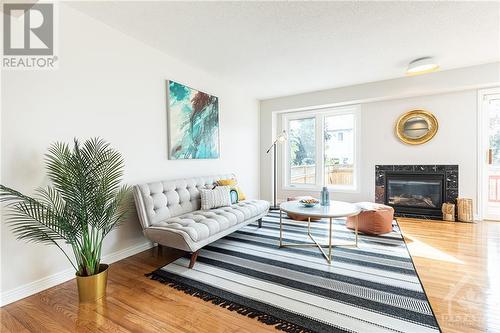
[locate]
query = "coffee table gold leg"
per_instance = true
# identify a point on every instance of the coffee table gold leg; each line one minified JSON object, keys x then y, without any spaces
{"x":281,"y":230}
{"x":330,"y":243}
{"x":309,"y":226}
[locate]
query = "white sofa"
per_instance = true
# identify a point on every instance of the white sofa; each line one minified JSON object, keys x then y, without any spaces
{"x":170,"y":214}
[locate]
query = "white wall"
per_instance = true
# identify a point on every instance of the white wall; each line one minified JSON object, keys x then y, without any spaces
{"x":112,"y":86}
{"x":451,"y":96}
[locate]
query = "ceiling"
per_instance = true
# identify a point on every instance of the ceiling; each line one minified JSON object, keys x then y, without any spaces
{"x":280,"y":48}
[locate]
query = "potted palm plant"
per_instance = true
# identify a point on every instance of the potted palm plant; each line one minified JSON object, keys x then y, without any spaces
{"x":84,"y":202}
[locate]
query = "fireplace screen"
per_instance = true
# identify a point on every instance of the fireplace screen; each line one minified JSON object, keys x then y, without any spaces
{"x":414,"y":193}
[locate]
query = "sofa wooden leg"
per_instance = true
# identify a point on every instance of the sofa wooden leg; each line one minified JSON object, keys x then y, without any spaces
{"x":194,"y":256}
{"x":259,"y":221}
{"x":159,"y":250}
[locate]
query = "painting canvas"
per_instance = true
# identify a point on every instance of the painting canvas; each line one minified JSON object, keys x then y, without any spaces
{"x":193,"y":118}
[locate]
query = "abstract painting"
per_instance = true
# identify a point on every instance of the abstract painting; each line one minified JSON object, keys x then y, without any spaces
{"x":193,"y":118}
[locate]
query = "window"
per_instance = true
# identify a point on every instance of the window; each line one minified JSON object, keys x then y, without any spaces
{"x":302,"y":151}
{"x":322,"y":149}
{"x":339,"y":150}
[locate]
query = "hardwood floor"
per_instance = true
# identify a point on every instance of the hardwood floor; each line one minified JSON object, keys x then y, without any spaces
{"x":459,"y":265}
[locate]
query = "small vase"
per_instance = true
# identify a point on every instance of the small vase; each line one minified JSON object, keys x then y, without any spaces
{"x":93,"y":287}
{"x":325,"y":197}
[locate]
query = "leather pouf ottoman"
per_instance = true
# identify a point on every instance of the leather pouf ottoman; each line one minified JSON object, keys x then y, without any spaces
{"x":298,"y":217}
{"x":374,"y":219}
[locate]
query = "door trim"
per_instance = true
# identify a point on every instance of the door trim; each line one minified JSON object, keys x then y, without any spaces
{"x":482,"y":188}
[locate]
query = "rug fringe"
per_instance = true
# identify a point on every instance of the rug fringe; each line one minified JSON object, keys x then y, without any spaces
{"x":265,"y":318}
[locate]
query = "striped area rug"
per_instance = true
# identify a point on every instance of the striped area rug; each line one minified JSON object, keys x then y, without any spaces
{"x":372,"y":288}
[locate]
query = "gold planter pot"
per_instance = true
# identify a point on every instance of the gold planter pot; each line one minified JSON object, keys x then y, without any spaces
{"x":91,"y":288}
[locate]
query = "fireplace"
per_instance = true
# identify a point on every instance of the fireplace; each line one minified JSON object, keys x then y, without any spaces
{"x":410,"y":193}
{"x":416,"y":190}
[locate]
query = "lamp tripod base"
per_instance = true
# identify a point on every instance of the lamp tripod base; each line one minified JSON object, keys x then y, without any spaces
{"x":273,"y":207}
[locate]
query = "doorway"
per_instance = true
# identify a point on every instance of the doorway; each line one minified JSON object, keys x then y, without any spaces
{"x":489,"y":153}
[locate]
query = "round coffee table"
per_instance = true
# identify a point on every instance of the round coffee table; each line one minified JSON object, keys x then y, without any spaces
{"x":336,"y":209}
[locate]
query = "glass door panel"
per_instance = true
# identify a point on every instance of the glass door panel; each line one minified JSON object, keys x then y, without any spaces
{"x":491,"y":111}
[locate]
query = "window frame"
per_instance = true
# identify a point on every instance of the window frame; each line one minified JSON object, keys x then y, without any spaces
{"x":320,"y":115}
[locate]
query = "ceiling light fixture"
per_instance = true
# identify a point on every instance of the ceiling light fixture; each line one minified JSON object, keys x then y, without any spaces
{"x":422,"y":66}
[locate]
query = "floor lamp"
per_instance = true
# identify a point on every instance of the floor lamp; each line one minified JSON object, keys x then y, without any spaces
{"x":279,"y":139}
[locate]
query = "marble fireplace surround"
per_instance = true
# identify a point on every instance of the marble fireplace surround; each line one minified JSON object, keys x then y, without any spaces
{"x":450,"y":173}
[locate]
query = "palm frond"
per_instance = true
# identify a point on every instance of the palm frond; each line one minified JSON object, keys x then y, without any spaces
{"x":27,"y":212}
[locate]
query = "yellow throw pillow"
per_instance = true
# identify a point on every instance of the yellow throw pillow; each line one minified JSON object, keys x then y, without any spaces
{"x":232,"y":183}
{"x":226,"y":182}
{"x":241,"y":195}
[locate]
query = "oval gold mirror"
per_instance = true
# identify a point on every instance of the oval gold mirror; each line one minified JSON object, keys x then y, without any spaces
{"x":416,"y":127}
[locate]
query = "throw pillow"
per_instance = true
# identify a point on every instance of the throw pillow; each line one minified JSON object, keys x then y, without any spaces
{"x":241,"y":195}
{"x":218,"y":197}
{"x":227,"y":182}
{"x":233,"y":184}
{"x":234,"y":196}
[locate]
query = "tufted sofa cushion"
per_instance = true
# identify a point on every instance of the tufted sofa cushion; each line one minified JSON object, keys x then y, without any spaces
{"x":202,"y":224}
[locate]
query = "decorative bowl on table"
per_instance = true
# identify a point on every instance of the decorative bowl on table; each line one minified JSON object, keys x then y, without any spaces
{"x":308,"y":203}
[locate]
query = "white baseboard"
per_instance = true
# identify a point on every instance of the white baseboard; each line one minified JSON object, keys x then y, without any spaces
{"x":127,"y":252}
{"x":34,"y":287}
